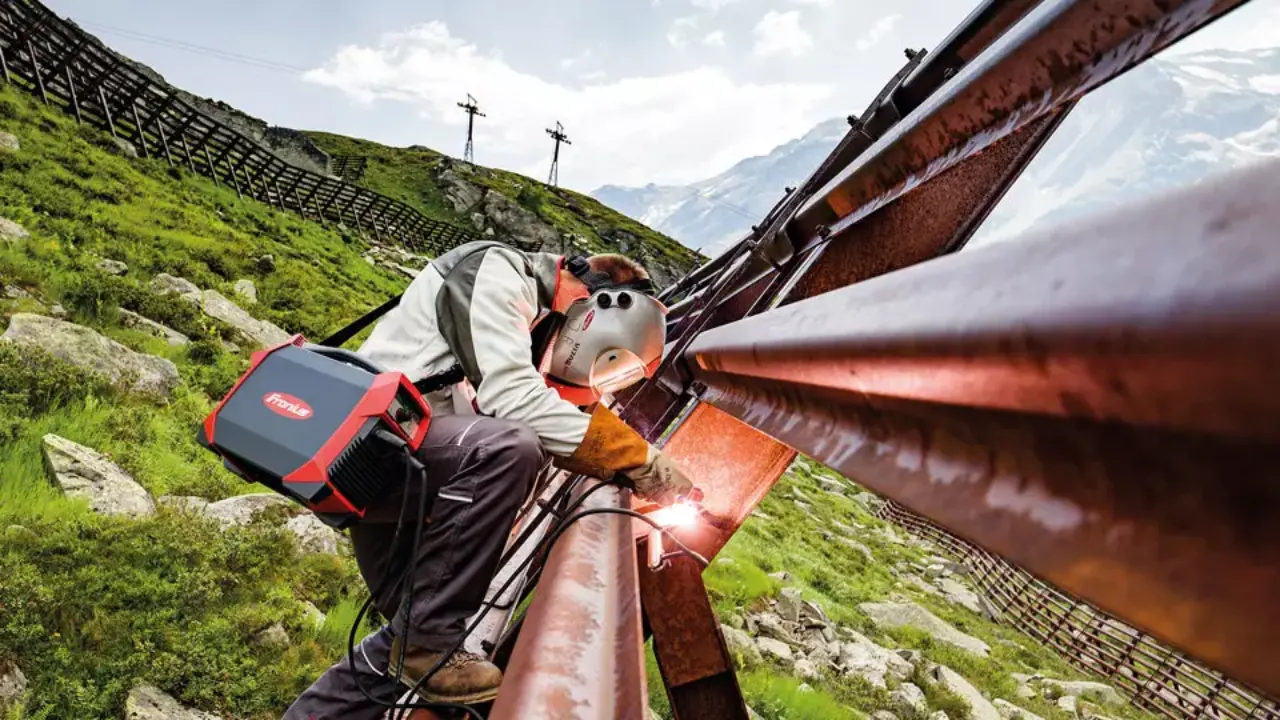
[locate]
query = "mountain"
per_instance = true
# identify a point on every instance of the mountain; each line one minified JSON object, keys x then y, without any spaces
{"x":1167,"y":123}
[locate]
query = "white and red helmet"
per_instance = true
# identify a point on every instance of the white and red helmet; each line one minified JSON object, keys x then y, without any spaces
{"x":610,"y":340}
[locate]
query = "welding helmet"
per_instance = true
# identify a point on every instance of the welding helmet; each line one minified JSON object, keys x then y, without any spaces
{"x":609,"y":340}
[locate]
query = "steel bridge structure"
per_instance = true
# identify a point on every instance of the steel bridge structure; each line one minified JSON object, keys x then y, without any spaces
{"x":1087,"y":414}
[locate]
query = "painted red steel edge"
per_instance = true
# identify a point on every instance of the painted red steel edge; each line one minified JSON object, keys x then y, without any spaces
{"x":582,"y":653}
{"x":1095,"y":403}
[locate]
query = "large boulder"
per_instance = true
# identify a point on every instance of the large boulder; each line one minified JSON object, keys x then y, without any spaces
{"x":260,"y":332}
{"x":957,"y":593}
{"x":789,"y":603}
{"x":776,"y":649}
{"x":741,"y":646}
{"x":519,"y":224}
{"x":979,"y":706}
{"x":909,"y":695}
{"x":247,"y":290}
{"x":462,"y":193}
{"x":313,"y":535}
{"x":865,"y":659}
{"x":147,"y":702}
{"x":84,"y":347}
{"x":10,"y":230}
{"x":807,"y":669}
{"x":1087,"y":689}
{"x":165,"y":283}
{"x":128,"y":318}
{"x":112,"y":267}
{"x":894,"y":615}
{"x":83,"y":472}
{"x":241,"y":509}
{"x":1009,"y":711}
{"x":13,"y":685}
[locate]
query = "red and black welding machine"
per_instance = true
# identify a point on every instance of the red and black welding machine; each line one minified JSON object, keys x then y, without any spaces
{"x":321,"y":425}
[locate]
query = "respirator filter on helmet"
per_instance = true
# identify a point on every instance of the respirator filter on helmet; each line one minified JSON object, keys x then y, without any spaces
{"x":609,"y":341}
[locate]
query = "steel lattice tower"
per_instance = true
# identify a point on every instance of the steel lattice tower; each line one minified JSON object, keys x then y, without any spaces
{"x":558,"y":134}
{"x":473,"y":109}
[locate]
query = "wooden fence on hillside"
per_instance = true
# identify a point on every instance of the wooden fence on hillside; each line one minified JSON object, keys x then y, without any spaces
{"x":1155,"y":676}
{"x":69,"y":68}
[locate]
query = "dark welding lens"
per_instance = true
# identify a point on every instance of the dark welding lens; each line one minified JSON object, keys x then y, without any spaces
{"x":624,"y":300}
{"x":605,"y":301}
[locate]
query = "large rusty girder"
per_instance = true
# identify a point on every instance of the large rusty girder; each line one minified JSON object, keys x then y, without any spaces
{"x":1094,"y":403}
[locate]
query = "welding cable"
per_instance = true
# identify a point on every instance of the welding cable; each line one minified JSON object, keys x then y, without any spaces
{"x":547,"y":545}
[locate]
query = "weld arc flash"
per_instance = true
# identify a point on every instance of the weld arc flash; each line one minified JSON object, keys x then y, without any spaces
{"x":320,"y":425}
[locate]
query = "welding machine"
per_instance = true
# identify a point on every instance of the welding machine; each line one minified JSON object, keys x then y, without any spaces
{"x":321,"y":425}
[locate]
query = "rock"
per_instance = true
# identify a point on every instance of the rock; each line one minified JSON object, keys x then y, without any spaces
{"x":869,"y":501}
{"x":741,"y":646}
{"x":9,"y":141}
{"x":58,"y":311}
{"x":85,"y":348}
{"x":807,"y":669}
{"x":183,"y":503}
{"x":272,"y":637}
{"x":911,"y":615}
{"x":1024,"y":692}
{"x":935,"y":570}
{"x":1023,"y":678}
{"x":804,"y":688}
{"x":1009,"y":711}
{"x":734,"y":620}
{"x":164,"y":283}
{"x":241,"y":509}
{"x":775,"y":648}
{"x":855,"y":545}
{"x":463,"y":194}
{"x":883,"y":715}
{"x":913,"y":657}
{"x":13,"y":685}
{"x":369,"y":259}
{"x":313,"y":535}
{"x":1087,"y":689}
{"x":477,"y":219}
{"x":758,"y":513}
{"x":890,"y":535}
{"x":781,"y":576}
{"x":519,"y":224}
{"x":770,"y":625}
{"x":828,"y":634}
{"x":980,"y":707}
{"x":146,"y":702}
{"x":939,"y":715}
{"x":957,"y":593}
{"x":311,"y":615}
{"x":125,"y":148}
{"x":262,"y":333}
{"x":112,"y":267}
{"x":1069,"y":704}
{"x":789,"y":604}
{"x":10,"y":230}
{"x":266,"y":263}
{"x":13,"y":292}
{"x":132,"y":319}
{"x":83,"y":472}
{"x":909,"y":695}
{"x":866,"y":659}
{"x":247,"y":290}
{"x":812,"y":614}
{"x":920,"y":584}
{"x":406,"y":271}
{"x":989,"y":610}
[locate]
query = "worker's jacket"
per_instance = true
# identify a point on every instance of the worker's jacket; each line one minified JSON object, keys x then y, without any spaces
{"x":477,"y":306}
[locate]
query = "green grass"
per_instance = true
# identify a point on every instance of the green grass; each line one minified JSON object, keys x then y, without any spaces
{"x":410,"y":175}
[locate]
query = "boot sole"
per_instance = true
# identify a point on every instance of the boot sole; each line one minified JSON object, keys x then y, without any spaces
{"x":471,"y":699}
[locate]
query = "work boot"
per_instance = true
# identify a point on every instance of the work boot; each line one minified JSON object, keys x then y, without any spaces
{"x":465,"y":678}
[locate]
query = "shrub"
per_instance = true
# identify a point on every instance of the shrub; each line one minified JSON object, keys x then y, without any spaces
{"x":33,"y":382}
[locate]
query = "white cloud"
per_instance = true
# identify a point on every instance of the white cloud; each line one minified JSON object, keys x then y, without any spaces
{"x":780,"y":33}
{"x":714,"y":39}
{"x":817,"y":3}
{"x":572,"y":60}
{"x":663,"y":128}
{"x":879,"y":30}
{"x":680,"y":32}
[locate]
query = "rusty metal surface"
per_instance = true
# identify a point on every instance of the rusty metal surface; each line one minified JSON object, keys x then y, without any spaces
{"x":696,"y":667}
{"x":581,"y":654}
{"x":1094,"y":403}
{"x":1152,"y":675}
{"x":1060,"y":51}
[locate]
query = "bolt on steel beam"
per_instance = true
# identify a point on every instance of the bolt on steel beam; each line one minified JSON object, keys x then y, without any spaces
{"x":581,"y":653}
{"x":1095,"y":403}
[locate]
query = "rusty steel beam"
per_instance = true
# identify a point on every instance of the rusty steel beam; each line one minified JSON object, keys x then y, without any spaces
{"x":696,"y":666}
{"x":1095,"y":403}
{"x":1060,"y":51}
{"x":580,"y":654}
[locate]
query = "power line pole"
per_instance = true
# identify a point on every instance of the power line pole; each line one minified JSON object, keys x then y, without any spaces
{"x":558,"y":134}
{"x":473,"y":109}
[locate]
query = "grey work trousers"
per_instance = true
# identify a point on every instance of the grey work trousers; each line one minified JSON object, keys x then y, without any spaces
{"x":483,"y":468}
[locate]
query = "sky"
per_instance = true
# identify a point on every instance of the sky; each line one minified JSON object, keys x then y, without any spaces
{"x":649,"y":91}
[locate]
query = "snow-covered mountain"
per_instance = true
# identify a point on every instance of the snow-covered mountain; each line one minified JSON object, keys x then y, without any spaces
{"x":1166,"y":124}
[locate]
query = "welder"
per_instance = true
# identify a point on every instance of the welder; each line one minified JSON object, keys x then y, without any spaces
{"x":539,"y":339}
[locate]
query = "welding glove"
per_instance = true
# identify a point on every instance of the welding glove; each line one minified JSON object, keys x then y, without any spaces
{"x":611,"y":447}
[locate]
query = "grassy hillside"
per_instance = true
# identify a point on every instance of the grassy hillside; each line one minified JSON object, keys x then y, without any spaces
{"x":413,"y":175}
